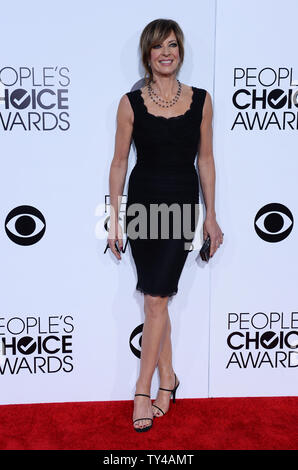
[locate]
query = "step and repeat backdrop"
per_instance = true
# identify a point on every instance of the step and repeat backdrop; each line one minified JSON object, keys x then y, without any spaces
{"x":70,"y":317}
{"x":253,"y":307}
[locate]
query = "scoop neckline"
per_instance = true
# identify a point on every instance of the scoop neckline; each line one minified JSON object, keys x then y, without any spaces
{"x":171,"y":117}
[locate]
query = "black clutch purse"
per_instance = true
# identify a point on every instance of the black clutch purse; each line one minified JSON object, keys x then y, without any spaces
{"x":205,"y":250}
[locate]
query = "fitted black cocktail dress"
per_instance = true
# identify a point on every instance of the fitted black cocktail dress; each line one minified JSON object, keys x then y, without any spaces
{"x":164,"y":173}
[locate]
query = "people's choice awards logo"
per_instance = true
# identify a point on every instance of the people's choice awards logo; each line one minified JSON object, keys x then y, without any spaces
{"x":34,"y":99}
{"x":36,"y":345}
{"x":267,"y":340}
{"x":264,"y":99}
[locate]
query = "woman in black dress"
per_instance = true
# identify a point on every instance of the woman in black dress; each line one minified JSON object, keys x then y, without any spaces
{"x":170,"y":123}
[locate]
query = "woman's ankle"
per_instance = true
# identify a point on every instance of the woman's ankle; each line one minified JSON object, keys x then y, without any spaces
{"x":166,"y":373}
{"x":143,"y":386}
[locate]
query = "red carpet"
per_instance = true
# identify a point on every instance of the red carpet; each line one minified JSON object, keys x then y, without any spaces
{"x":213,"y":423}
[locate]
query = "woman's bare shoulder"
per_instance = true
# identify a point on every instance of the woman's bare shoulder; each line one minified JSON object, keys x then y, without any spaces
{"x":207,"y":107}
{"x":125,"y":108}
{"x":187,"y":87}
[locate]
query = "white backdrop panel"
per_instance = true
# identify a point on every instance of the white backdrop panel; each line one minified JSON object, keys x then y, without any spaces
{"x":253,"y":277}
{"x":64,"y":287}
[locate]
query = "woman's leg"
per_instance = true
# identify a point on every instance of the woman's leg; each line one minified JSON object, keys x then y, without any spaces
{"x":165,"y":357}
{"x":156,"y":314}
{"x":166,"y":372}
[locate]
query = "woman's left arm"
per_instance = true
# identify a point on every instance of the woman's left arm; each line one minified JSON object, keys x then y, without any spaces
{"x":206,"y":169}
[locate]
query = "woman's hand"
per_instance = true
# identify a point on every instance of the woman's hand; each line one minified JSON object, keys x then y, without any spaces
{"x":115,"y":235}
{"x":211,"y":228}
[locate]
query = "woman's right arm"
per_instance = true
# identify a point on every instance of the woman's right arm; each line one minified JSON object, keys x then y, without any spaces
{"x":118,"y":169}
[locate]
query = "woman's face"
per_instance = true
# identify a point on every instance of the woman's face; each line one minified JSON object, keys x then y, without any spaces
{"x":165,"y":56}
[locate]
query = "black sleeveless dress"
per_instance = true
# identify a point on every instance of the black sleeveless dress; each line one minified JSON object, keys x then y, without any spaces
{"x":163,"y":174}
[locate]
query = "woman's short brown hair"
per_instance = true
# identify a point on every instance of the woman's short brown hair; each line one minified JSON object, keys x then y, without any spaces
{"x":154,"y":33}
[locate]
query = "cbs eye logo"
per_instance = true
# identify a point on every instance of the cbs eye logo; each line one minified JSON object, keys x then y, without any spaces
{"x":25,"y":225}
{"x":135,"y":341}
{"x":274,"y":222}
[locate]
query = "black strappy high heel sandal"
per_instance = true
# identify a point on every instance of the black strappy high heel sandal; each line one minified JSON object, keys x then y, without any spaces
{"x":146,"y":428}
{"x":173,"y":392}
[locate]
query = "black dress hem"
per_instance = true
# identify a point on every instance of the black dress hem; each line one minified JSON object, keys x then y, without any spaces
{"x":143,"y":291}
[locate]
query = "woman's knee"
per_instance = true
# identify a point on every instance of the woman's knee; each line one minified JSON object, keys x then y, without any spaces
{"x":155,"y":305}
